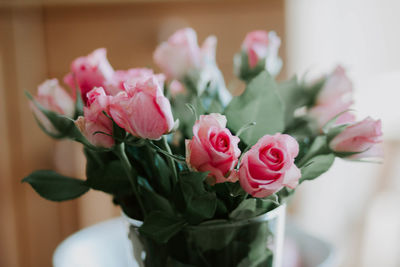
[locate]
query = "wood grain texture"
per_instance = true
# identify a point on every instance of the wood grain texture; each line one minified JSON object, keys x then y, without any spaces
{"x":8,"y":207}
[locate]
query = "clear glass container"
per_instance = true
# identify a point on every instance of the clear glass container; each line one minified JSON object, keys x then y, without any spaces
{"x":245,"y":243}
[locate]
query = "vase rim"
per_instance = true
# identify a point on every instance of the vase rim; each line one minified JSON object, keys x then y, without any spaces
{"x":222,"y":223}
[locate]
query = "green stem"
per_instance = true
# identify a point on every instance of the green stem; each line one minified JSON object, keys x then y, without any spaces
{"x":162,"y":151}
{"x":120,"y":152}
{"x":170,"y":161}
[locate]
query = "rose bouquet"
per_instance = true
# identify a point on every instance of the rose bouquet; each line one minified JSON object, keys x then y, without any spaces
{"x":193,"y":165}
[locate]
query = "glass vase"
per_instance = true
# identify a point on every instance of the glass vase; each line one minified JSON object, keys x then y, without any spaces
{"x":245,"y":243}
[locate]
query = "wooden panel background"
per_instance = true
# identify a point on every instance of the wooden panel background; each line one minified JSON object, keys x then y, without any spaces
{"x":41,"y":41}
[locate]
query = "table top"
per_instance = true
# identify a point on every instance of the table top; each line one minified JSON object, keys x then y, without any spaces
{"x":106,"y":244}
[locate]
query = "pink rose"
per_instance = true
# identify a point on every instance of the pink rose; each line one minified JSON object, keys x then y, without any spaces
{"x":269,"y":165}
{"x":262,"y":45}
{"x":326,"y":112}
{"x":117,"y":83}
{"x":337,"y":86}
{"x":213,"y":148}
{"x":334,"y":98}
{"x":181,"y":53}
{"x":52,"y":97}
{"x":94,"y":119}
{"x":364,"y":137}
{"x":143,"y":110}
{"x":90,"y":71}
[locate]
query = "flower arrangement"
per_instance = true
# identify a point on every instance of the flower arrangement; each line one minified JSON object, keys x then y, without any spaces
{"x":177,"y":150}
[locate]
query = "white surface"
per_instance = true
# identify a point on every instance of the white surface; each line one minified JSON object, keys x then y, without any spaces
{"x":382,"y":232}
{"x":102,"y":245}
{"x":107,"y":245}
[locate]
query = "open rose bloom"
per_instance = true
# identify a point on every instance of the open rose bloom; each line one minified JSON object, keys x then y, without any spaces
{"x":90,"y":71}
{"x":213,"y":148}
{"x":269,"y":165}
{"x":209,"y":174}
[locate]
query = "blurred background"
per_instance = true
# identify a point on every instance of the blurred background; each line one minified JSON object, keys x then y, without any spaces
{"x":355,"y":206}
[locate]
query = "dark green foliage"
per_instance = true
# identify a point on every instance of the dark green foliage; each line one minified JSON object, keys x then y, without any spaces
{"x":56,"y":187}
{"x":161,"y":226}
{"x":199,"y":204}
{"x":105,"y":172}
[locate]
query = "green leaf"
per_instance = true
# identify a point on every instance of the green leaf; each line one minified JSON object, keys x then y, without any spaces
{"x":200,"y":204}
{"x":230,"y":194}
{"x":105,"y":172}
{"x":253,"y":207}
{"x":55,"y":187}
{"x":153,"y":166}
{"x":316,"y":166}
{"x":313,"y":91}
{"x":215,"y":106}
{"x":318,"y":147}
{"x":153,"y":201}
{"x":293,"y":96}
{"x":163,"y":178}
{"x":183,"y":113}
{"x":259,"y":103}
{"x":161,"y":226}
{"x":78,"y":105}
{"x":246,"y":73}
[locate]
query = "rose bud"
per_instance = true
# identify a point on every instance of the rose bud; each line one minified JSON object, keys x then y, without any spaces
{"x":326,"y":112}
{"x":262,"y":46}
{"x":334,"y":98}
{"x":182,"y":54}
{"x":52,"y":97}
{"x":179,"y":54}
{"x":95,"y":121}
{"x":364,"y":138}
{"x":269,"y":165}
{"x":143,"y":110}
{"x":117,"y":83}
{"x":90,"y":71}
{"x":213,"y":149}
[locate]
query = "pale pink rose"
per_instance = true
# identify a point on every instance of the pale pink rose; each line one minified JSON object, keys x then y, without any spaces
{"x":181,"y":53}
{"x":117,"y":83}
{"x":260,"y":45}
{"x":337,"y":86}
{"x":52,"y":97}
{"x":90,"y":71}
{"x":142,"y":109}
{"x":94,"y":120}
{"x":334,"y":98}
{"x":269,"y":165}
{"x":364,"y":137}
{"x":323,"y":113}
{"x":213,"y":149}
